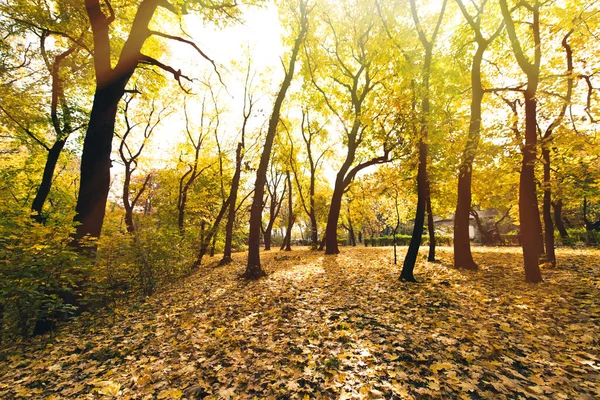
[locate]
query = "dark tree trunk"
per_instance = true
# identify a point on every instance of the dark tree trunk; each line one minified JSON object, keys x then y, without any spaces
{"x":351,"y":235}
{"x":126,"y":203}
{"x":46,"y":184}
{"x":314,"y":234}
{"x":267,"y":238}
{"x":206,"y":238}
{"x":95,"y":161}
{"x":462,"y":242}
{"x":431,"y":229}
{"x":558,"y":219}
{"x":235,"y":183}
{"x":287,"y":243}
{"x":331,"y":246}
{"x":547,"y":210}
{"x":422,"y":177}
{"x":408,"y":266}
{"x":253,"y":267}
{"x":529,"y":214}
{"x":110,"y":87}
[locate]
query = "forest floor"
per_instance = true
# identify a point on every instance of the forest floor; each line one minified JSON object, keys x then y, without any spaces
{"x":330,"y":327}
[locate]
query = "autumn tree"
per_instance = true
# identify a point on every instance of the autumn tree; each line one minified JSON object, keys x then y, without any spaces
{"x":65,"y":61}
{"x":253,"y":267}
{"x":130,"y":156}
{"x":344,"y":66}
{"x":462,"y":243}
{"x":422,"y":178}
{"x":111,"y":85}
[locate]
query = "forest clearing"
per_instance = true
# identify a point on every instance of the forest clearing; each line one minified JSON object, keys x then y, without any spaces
{"x":326,"y":327}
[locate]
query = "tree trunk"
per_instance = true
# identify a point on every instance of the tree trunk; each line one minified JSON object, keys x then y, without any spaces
{"x":126,"y":203}
{"x":253,"y":267}
{"x":529,"y":214}
{"x":331,"y":246}
{"x":314,"y":234}
{"x":235,"y":183}
{"x":547,"y":210}
{"x":267,"y":238}
{"x":46,"y":184}
{"x":288,"y":235}
{"x":558,"y":220}
{"x":462,"y":242}
{"x":95,"y":161}
{"x":415,"y":241}
{"x":431,"y":229}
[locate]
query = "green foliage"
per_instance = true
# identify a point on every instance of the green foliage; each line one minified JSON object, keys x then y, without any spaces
{"x":41,"y":277}
{"x":404,"y":240}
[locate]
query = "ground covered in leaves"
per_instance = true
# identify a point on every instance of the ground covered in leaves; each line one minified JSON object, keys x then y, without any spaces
{"x":329,"y":327}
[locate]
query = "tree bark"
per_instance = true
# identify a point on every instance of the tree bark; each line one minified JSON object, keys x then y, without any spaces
{"x":558,"y":220}
{"x":407,"y":273}
{"x":95,"y":160}
{"x":431,"y":229}
{"x":110,"y":87}
{"x":287,"y":243}
{"x":235,"y":183}
{"x":46,"y":183}
{"x":462,"y":242}
{"x":529,"y":213}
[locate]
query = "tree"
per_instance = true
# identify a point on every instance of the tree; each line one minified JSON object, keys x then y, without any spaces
{"x":462,"y":243}
{"x":248,"y":105}
{"x":310,"y":133}
{"x":111,"y":84}
{"x":422,"y":179}
{"x":529,"y":214}
{"x":253,"y":267}
{"x":194,"y":170}
{"x":130,"y":157}
{"x":351,"y":69}
{"x":274,"y":199}
{"x":68,"y":52}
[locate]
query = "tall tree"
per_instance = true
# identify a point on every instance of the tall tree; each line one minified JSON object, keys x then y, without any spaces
{"x":111,"y":83}
{"x":422,"y":178}
{"x":462,"y":242}
{"x":193,"y":167}
{"x":351,"y":70}
{"x":253,"y":267}
{"x":529,"y":213}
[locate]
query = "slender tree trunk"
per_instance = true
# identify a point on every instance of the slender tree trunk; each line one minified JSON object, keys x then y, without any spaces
{"x":46,"y":184}
{"x":235,"y":183}
{"x":95,"y":161}
{"x":253,"y":267}
{"x":126,"y":203}
{"x":207,"y":237}
{"x":558,"y":220}
{"x":314,"y":234}
{"x":431,"y":229}
{"x":351,"y":233}
{"x":288,"y":235}
{"x":408,"y":267}
{"x":547,"y":209}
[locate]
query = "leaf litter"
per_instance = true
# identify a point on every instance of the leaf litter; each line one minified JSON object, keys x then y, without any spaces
{"x":326,"y":327}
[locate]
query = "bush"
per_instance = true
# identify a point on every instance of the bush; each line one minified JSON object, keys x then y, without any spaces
{"x":41,"y":277}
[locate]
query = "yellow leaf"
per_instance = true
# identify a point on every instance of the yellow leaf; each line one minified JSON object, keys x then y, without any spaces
{"x":170,"y":394}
